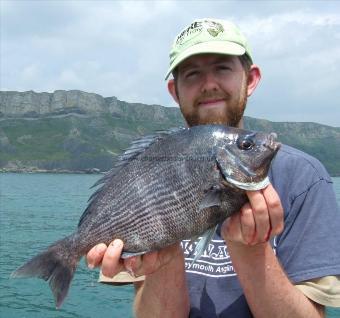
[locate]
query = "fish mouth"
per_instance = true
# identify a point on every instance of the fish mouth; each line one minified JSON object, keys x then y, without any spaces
{"x":248,"y":186}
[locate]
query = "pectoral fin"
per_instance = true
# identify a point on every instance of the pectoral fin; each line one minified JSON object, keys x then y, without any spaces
{"x":212,"y":198}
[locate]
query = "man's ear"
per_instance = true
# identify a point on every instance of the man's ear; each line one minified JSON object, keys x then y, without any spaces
{"x":254,"y":77}
{"x":172,"y":90}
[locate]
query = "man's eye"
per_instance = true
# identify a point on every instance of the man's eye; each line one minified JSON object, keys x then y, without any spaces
{"x":224,"y":67}
{"x":191,"y":74}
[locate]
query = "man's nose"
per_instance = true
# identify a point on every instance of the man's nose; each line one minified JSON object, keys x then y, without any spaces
{"x":209,"y":82}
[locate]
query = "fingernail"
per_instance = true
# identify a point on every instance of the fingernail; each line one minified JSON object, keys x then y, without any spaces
{"x":111,"y":250}
{"x":117,"y":243}
{"x":100,"y":248}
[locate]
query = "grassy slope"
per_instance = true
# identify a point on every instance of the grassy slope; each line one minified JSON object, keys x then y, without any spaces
{"x":80,"y":143}
{"x":71,"y":143}
{"x":322,"y":142}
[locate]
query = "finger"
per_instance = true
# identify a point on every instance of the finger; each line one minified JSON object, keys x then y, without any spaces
{"x":153,"y":261}
{"x":231,"y":228}
{"x":146,"y":264}
{"x":247,"y":221}
{"x":133,"y":265}
{"x":111,"y":264}
{"x":275,"y":210}
{"x":261,"y":215}
{"x":95,"y":255}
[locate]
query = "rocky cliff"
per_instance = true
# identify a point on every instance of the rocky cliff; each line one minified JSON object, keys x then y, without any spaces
{"x":41,"y":105}
{"x":32,"y":104}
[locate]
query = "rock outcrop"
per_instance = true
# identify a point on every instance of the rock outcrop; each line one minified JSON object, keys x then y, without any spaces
{"x":32,"y":104}
{"x":38,"y":105}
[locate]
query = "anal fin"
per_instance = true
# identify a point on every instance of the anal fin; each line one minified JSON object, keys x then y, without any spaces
{"x":130,"y":254}
{"x":203,"y":243}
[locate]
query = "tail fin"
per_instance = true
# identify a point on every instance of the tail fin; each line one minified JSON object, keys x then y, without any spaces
{"x":56,"y":265}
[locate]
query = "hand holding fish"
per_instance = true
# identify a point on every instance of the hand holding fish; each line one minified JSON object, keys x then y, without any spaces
{"x":108,"y":257}
{"x":259,"y":219}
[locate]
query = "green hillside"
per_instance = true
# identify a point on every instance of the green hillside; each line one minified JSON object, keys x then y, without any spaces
{"x":320,"y":141}
{"x":84,"y":143}
{"x":82,"y":132}
{"x":75,"y":143}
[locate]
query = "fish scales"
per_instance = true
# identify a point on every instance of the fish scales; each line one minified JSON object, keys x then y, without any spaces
{"x":152,"y":202}
{"x":166,"y":187}
{"x":125,"y":219}
{"x":124,"y":222}
{"x":143,"y":204}
{"x":122,"y":204}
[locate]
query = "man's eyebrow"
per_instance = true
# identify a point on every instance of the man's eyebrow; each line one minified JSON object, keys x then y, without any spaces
{"x":187,"y":66}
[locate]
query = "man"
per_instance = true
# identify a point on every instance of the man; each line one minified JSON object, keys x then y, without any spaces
{"x":275,"y":258}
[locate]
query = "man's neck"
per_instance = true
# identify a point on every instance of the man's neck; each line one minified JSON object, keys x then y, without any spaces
{"x":240,"y":123}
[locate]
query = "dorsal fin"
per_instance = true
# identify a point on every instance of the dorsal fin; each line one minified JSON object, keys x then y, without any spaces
{"x":136,"y":148}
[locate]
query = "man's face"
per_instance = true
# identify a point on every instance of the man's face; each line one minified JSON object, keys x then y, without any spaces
{"x":212,"y":89}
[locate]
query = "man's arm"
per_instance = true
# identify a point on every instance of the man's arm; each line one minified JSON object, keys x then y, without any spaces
{"x":164,"y":292}
{"x":268,"y":291}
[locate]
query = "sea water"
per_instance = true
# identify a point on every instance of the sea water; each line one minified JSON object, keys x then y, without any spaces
{"x":36,"y":210}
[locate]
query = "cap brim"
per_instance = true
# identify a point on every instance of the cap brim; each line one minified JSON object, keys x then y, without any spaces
{"x":217,"y":47}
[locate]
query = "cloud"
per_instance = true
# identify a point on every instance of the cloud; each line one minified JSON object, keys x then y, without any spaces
{"x":300,"y":59}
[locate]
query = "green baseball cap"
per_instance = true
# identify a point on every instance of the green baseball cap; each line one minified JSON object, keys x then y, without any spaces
{"x":207,"y":36}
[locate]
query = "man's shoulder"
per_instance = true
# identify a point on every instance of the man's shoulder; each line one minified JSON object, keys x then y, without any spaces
{"x":299,"y":165}
{"x":294,"y":172}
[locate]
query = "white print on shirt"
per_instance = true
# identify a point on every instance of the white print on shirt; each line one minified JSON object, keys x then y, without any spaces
{"x":214,"y":262}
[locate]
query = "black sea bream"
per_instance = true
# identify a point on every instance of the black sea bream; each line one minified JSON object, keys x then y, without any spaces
{"x":166,"y":187}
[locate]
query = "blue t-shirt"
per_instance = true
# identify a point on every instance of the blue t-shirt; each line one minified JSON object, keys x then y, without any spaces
{"x":307,"y":248}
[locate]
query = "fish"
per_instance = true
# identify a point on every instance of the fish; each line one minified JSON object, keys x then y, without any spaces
{"x":166,"y":187}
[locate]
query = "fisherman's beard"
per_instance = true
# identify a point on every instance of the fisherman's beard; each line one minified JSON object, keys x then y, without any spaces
{"x":230,"y":115}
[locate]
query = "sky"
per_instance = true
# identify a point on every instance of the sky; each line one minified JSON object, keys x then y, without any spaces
{"x":121,"y":48}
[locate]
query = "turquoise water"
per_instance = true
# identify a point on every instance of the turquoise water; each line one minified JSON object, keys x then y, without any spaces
{"x":35,"y":210}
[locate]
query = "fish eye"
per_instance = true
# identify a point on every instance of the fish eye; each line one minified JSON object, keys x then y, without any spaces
{"x":245,"y":143}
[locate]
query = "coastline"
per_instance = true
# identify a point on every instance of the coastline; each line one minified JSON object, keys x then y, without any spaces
{"x":65,"y":171}
{"x":54,"y":171}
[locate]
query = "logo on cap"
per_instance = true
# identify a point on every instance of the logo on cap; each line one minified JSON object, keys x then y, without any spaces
{"x":214,"y":28}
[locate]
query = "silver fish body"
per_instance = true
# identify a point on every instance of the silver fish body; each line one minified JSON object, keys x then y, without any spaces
{"x":165,"y":188}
